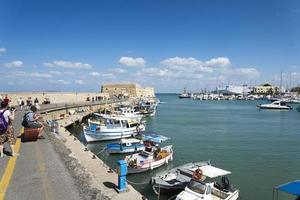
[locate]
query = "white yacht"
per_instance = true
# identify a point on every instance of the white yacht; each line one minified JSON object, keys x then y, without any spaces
{"x":200,"y":190}
{"x":276,"y":105}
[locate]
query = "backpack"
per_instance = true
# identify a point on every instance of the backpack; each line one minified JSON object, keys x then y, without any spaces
{"x":26,"y":119}
{"x":3,"y":122}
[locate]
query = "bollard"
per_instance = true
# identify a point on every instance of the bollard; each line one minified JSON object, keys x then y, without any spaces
{"x":122,"y":171}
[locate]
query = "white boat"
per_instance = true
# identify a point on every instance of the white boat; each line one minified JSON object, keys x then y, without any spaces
{"x":276,"y":105}
{"x":111,"y":128}
{"x":149,"y":159}
{"x":199,"y":190}
{"x":131,"y":145}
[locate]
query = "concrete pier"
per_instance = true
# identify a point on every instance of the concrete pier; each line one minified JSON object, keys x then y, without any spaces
{"x":58,"y":167}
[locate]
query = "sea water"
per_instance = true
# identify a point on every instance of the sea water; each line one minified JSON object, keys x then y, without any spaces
{"x":260,"y":147}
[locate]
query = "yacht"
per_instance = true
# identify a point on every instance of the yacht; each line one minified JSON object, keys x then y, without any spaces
{"x":276,"y":105}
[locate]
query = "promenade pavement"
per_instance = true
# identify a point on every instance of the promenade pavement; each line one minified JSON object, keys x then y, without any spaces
{"x":37,"y":173}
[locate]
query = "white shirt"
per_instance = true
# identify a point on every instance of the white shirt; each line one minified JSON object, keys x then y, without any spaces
{"x":20,"y":101}
{"x":7,"y":115}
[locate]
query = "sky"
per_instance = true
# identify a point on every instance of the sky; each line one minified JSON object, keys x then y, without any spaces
{"x":171,"y":44}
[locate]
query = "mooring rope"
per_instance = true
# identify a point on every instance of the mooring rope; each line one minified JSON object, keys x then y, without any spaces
{"x":101,"y":151}
{"x":135,"y":183}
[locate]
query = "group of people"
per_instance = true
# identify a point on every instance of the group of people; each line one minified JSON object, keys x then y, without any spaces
{"x":29,"y":103}
{"x":7,"y":115}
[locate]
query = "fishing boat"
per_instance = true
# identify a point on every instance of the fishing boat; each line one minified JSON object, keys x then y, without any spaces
{"x":111,"y":128}
{"x":276,"y":105}
{"x":200,"y":190}
{"x":134,"y":145}
{"x":176,"y":179}
{"x":131,"y":145}
{"x":149,"y":159}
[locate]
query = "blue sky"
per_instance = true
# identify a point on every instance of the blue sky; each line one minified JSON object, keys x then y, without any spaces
{"x":78,"y":45}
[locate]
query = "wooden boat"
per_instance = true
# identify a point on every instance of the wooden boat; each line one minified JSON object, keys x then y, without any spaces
{"x":149,"y":159}
{"x":131,"y":145}
{"x":134,"y":145}
{"x":111,"y":128}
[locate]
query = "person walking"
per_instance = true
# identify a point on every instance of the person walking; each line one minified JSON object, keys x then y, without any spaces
{"x":6,"y":129}
{"x":20,"y":100}
{"x":36,"y":103}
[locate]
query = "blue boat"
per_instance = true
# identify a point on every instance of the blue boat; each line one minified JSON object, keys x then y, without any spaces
{"x":292,"y":188}
{"x":131,"y":145}
{"x":154,"y":137}
{"x":134,"y":145}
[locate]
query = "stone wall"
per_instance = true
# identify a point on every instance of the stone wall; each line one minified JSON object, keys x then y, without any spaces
{"x":54,"y":97}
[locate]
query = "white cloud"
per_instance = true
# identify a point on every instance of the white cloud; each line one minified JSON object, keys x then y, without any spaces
{"x":132,"y":62}
{"x":2,"y":50}
{"x":117,"y":70}
{"x":95,"y":74}
{"x":218,"y":62}
{"x":246,"y":72}
{"x":63,"y":82}
{"x":15,"y":63}
{"x":109,"y":76}
{"x":68,"y":64}
{"x":40,"y":75}
{"x":79,"y":82}
{"x":55,"y":73}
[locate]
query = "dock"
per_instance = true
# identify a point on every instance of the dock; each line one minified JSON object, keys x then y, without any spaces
{"x":58,"y":167}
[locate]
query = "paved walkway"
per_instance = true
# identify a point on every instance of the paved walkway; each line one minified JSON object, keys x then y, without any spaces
{"x":38,"y":173}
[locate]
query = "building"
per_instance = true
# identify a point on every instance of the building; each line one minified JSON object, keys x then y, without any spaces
{"x":233,"y":90}
{"x":266,"y":89}
{"x":127,"y":90}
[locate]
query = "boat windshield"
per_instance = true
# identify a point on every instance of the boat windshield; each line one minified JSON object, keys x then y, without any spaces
{"x":196,"y":186}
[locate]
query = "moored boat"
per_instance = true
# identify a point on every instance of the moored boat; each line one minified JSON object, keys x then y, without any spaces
{"x":111,"y":128}
{"x":176,"y":179}
{"x":150,"y":158}
{"x":276,"y":105}
{"x":131,"y":145}
{"x":200,"y":190}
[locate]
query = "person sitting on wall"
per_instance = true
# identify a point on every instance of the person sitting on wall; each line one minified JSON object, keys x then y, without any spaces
{"x":32,"y":120}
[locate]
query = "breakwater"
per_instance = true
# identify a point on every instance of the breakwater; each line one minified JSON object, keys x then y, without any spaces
{"x":101,"y":180}
{"x":54,"y":97}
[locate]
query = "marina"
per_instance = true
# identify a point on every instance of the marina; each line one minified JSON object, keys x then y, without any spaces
{"x":254,"y":144}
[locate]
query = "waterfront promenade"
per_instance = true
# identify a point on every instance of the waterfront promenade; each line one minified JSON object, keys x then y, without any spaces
{"x":50,"y":169}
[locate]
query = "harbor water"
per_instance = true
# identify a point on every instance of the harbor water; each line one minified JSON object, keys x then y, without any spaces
{"x":260,"y":147}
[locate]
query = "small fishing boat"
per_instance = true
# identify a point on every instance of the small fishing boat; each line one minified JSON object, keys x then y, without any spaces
{"x":111,"y":128}
{"x":149,"y":159}
{"x":131,"y":145}
{"x":176,"y":179}
{"x":276,"y":105}
{"x":137,"y":144}
{"x":199,"y":190}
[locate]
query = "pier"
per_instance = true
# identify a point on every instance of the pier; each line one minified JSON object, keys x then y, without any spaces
{"x":59,"y":167}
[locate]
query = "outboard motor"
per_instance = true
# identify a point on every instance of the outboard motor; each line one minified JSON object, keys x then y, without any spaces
{"x":225,"y":183}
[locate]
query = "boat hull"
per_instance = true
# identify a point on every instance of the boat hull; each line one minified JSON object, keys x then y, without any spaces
{"x":150,"y":165}
{"x":274,"y":108}
{"x":93,"y":136}
{"x":117,"y":149}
